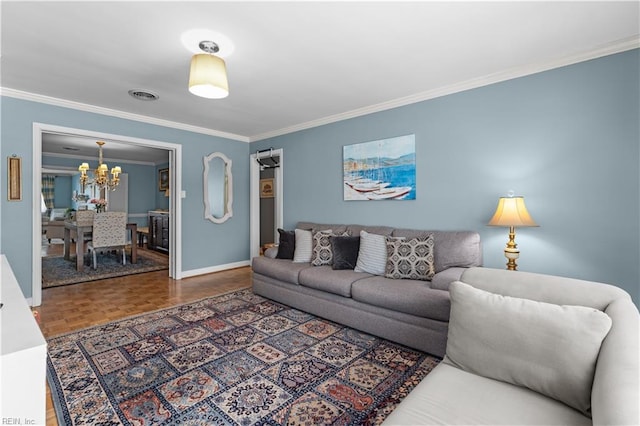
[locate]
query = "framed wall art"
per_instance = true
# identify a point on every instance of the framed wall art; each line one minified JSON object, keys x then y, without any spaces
{"x":14,"y":167}
{"x":266,"y":188}
{"x":380,"y":170}
{"x":163,"y":179}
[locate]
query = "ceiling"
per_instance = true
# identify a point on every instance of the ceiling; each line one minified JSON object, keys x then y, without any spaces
{"x":84,"y":148}
{"x":295,"y":64}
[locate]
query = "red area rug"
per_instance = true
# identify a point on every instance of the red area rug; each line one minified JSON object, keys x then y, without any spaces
{"x":236,"y":359}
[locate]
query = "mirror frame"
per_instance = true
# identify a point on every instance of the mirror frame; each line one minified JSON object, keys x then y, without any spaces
{"x":229,"y":195}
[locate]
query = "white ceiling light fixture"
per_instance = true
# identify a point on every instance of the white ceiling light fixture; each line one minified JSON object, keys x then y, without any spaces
{"x":208,"y":74}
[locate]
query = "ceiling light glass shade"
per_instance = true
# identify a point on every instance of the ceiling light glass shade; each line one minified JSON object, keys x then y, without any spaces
{"x":208,"y":77}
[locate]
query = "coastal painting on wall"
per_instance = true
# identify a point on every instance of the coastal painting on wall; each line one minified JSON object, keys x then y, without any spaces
{"x":380,"y":170}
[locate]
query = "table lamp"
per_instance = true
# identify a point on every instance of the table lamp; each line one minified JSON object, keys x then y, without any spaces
{"x":511,"y":212}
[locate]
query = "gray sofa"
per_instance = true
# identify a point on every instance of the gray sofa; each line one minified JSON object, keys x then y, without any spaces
{"x":414,"y":313}
{"x":571,"y":360}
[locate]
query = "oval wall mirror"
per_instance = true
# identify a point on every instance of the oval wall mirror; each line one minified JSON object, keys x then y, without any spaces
{"x":218,"y":188}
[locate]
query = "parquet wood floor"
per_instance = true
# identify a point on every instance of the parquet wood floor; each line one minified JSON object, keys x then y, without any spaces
{"x":77,"y":306}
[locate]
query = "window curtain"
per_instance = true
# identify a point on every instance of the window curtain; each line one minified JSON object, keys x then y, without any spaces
{"x":48,"y":189}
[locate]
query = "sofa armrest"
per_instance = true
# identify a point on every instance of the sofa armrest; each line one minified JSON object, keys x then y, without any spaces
{"x":616,"y":385}
{"x":442,"y":279}
{"x":271,"y":252}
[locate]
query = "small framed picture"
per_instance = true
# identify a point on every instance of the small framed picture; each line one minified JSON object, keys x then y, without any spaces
{"x":14,"y":168}
{"x":163,"y":179}
{"x":266,"y":188}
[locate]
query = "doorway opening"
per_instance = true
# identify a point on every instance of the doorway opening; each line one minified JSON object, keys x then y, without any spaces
{"x":175,"y":173}
{"x":267,"y":200}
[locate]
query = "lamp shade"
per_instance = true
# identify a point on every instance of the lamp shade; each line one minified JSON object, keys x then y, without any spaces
{"x":511,"y":211}
{"x":208,"y":77}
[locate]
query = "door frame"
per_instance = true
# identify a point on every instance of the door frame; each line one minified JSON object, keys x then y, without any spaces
{"x":175,"y":200}
{"x":254,"y":183}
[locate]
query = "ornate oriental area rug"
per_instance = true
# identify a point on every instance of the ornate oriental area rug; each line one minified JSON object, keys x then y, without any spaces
{"x":56,"y":271}
{"x":236,"y":359}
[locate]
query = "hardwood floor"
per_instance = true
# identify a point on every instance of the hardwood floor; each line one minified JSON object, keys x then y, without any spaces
{"x":77,"y":306}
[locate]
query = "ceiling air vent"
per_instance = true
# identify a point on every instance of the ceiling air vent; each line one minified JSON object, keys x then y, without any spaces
{"x":143,"y":95}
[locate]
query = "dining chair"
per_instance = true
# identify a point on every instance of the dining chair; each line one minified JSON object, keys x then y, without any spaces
{"x":84,"y":218}
{"x":109,"y":233}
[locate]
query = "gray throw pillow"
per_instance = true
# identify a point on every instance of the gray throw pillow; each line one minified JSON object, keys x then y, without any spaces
{"x":550,"y":349}
{"x":345,"y":252}
{"x":286,"y":244}
{"x":410,"y":258}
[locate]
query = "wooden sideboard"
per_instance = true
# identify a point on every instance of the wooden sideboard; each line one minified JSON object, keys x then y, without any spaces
{"x":158,"y":231}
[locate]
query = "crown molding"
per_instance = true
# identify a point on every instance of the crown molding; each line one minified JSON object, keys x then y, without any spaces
{"x":27,"y":96}
{"x":605,"y":50}
{"x":598,"y":52}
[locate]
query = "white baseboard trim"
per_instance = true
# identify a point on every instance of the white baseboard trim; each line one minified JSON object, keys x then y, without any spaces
{"x":217,"y":268}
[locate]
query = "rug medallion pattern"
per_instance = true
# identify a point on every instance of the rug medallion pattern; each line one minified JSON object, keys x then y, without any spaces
{"x":236,"y":359}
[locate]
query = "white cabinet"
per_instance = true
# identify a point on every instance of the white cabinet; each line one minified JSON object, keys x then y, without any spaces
{"x":23,"y":357}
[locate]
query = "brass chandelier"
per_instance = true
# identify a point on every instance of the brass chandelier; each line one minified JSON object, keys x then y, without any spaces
{"x":101,"y":177}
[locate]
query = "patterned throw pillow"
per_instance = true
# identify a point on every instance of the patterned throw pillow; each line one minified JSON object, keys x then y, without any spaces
{"x":322,"y":254}
{"x":410,"y":258}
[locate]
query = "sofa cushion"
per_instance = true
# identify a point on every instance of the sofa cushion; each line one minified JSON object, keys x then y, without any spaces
{"x":304,"y":245}
{"x":451,"y":248}
{"x":345,"y":252}
{"x":548,"y":348}
{"x":379,"y":230}
{"x":286,"y":244}
{"x":450,"y":396}
{"x":407,"y":296}
{"x":281,"y":269}
{"x":312,"y":226}
{"x":325,"y":279}
{"x":57,"y":214}
{"x":410,"y":258}
{"x":372,"y":255}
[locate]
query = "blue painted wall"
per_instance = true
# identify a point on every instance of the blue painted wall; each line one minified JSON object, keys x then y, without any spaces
{"x":566,"y":139}
{"x":62,"y":192}
{"x":205,"y":244}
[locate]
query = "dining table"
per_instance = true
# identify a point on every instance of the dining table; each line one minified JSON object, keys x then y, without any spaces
{"x":82,"y":230}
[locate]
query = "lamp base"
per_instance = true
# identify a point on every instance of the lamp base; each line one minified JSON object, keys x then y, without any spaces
{"x":512,"y":254}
